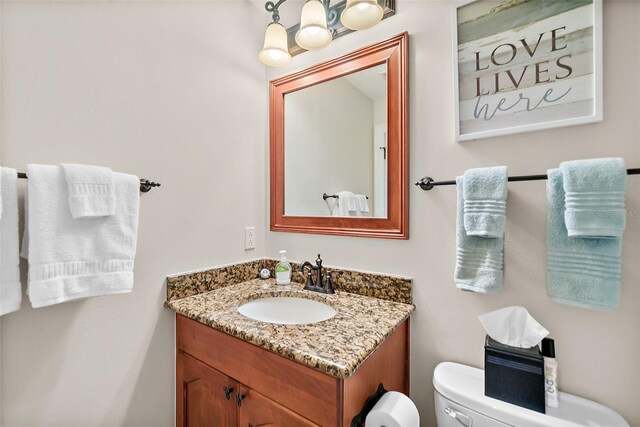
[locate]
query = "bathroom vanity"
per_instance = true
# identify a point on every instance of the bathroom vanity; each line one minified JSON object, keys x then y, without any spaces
{"x":234,"y":370}
{"x":224,"y":381}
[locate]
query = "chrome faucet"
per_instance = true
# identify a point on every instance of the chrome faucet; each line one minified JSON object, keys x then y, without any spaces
{"x":317,"y":286}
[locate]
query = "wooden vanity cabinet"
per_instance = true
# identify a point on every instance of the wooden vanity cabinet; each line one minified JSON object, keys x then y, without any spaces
{"x":271,"y":390}
{"x":258,"y":410}
{"x":210,"y":398}
{"x":207,"y":397}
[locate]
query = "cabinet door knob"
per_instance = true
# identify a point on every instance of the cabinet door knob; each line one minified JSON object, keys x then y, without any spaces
{"x":228,"y":391}
{"x":239,"y":399}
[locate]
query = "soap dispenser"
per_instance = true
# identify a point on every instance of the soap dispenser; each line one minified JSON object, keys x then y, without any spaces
{"x":283,"y":270}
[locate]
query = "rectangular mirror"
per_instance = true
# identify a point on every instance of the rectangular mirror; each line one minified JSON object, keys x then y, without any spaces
{"x":338,"y":138}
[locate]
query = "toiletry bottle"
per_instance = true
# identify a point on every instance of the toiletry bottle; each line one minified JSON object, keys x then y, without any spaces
{"x":283,"y":270}
{"x":550,"y":372}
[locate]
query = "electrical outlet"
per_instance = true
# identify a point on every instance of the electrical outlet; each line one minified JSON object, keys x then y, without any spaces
{"x":249,"y":238}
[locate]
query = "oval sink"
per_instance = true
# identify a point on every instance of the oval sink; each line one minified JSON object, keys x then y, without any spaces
{"x":287,"y":310}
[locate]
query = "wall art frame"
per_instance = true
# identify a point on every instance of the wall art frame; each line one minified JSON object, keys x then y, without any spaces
{"x":525,"y":65}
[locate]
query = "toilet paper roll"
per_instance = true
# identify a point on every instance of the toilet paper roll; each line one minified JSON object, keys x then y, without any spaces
{"x":393,"y":410}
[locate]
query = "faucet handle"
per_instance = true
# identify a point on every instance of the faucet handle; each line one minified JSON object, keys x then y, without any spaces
{"x":328,"y":287}
{"x":309,"y":285}
{"x":319,"y":261}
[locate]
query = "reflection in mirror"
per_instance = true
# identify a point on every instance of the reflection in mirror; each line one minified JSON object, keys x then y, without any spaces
{"x":335,"y":145}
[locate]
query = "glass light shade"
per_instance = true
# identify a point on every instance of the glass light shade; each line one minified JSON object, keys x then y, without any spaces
{"x":313,"y":33}
{"x":361,"y":14}
{"x":275,"y":52}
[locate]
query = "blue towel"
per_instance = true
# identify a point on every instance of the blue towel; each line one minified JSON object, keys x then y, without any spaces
{"x":580,"y":271}
{"x":485,"y":201}
{"x":478,"y":259}
{"x":594,"y":197}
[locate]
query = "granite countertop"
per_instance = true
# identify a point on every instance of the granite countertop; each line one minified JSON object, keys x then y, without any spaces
{"x":336,"y":346}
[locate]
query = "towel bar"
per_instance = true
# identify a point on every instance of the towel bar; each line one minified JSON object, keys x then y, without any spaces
{"x":325,"y":196}
{"x":427,"y":183}
{"x":145,"y":184}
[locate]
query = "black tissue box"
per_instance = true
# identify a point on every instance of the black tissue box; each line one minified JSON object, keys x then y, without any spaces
{"x":514,"y":375}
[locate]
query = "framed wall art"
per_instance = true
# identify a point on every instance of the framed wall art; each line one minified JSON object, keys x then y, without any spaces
{"x":525,"y":65}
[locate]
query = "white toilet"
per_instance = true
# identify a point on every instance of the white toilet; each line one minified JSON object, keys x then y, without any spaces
{"x":460,"y":402}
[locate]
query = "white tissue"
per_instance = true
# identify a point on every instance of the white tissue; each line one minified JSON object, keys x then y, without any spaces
{"x":394,"y":409}
{"x":513,"y":326}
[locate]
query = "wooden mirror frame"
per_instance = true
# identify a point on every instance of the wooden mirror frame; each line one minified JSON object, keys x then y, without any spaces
{"x":393,"y":52}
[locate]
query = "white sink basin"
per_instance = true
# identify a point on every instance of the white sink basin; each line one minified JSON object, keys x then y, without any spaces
{"x":287,"y":310}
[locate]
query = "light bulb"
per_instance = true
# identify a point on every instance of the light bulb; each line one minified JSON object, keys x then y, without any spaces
{"x":275,"y":54}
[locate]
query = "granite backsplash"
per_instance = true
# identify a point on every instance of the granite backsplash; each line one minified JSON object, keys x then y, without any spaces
{"x":382,"y":286}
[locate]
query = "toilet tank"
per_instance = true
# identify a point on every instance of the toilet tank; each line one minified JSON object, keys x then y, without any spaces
{"x":460,"y":402}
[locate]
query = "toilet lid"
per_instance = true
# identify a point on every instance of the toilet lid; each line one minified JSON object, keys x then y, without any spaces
{"x":464,"y":385}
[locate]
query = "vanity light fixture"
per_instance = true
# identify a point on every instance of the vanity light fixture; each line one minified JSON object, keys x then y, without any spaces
{"x":318,"y":22}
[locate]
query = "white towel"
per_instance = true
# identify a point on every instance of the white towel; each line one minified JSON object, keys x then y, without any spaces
{"x":71,"y":259}
{"x":10,"y":287}
{"x":339,"y":209}
{"x":91,"y":190}
{"x":345,"y":203}
{"x":363,"y":204}
{"x":349,"y":200}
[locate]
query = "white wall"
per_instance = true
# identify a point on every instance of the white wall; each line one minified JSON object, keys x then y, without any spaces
{"x":332,"y":126}
{"x":171,"y":91}
{"x":380,"y":111}
{"x":597,"y":351}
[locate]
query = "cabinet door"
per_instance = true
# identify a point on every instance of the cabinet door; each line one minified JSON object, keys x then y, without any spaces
{"x":202,"y":395}
{"x":257,"y":410}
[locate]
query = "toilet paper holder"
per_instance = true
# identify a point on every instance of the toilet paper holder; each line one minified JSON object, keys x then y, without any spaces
{"x":358,"y":420}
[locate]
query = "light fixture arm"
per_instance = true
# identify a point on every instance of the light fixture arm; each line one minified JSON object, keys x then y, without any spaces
{"x":272,"y":8}
{"x":332,"y":17}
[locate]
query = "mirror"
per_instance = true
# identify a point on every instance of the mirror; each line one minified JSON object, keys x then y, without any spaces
{"x":338,"y":140}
